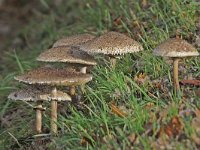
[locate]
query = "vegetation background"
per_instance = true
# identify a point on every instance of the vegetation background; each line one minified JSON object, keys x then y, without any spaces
{"x":131,"y":107}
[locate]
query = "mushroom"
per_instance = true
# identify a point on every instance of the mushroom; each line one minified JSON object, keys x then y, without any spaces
{"x":38,"y":95}
{"x":67,"y":55}
{"x":73,"y":40}
{"x":54,"y":77}
{"x":71,"y":55}
{"x":111,"y":44}
{"x":176,"y":49}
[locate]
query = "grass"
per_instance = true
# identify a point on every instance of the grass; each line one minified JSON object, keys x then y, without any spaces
{"x":94,"y":126}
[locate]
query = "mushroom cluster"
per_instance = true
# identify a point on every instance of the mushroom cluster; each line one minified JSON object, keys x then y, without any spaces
{"x":43,"y":83}
{"x":65,"y":50}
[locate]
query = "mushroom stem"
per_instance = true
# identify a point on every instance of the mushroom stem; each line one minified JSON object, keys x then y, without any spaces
{"x":83,"y":70}
{"x":175,"y":71}
{"x":39,"y":117}
{"x":72,"y":90}
{"x":54,"y":127}
{"x":113,"y":61}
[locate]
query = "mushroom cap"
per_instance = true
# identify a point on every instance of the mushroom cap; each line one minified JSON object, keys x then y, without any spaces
{"x":54,"y":77}
{"x":38,"y":94}
{"x":175,"y":47}
{"x":112,"y":43}
{"x":73,"y":40}
{"x":66,"y":54}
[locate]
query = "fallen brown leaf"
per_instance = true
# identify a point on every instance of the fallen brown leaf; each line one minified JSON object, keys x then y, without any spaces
{"x":141,"y":78}
{"x":117,"y":21}
{"x":149,"y":105}
{"x":85,"y":141}
{"x":173,"y":128}
{"x":117,"y":111}
{"x":190,"y":82}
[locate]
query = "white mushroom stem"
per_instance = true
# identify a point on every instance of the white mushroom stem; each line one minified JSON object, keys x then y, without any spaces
{"x":175,"y":72}
{"x":83,"y":70}
{"x":54,"y":127}
{"x":113,"y":61}
{"x":39,"y":117}
{"x":72,"y":90}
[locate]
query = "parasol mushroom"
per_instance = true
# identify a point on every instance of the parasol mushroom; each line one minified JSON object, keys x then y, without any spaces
{"x":67,"y":55}
{"x":111,"y":44}
{"x":73,"y":40}
{"x":176,"y":49}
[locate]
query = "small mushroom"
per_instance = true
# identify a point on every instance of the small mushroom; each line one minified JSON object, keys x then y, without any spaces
{"x":111,"y":44}
{"x":38,"y":95}
{"x":68,"y":54}
{"x":74,"y":40}
{"x":176,"y":49}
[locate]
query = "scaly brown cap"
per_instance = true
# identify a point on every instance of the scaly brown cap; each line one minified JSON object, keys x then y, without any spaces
{"x":73,"y":40}
{"x":111,"y":43}
{"x":54,"y":77}
{"x":38,"y":94}
{"x":175,"y":47}
{"x":66,"y":54}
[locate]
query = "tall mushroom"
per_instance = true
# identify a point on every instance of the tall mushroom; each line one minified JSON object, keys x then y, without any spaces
{"x":38,"y":95}
{"x":68,"y":54}
{"x":111,"y":44}
{"x":73,"y":40}
{"x":176,"y":49}
{"x":54,"y":77}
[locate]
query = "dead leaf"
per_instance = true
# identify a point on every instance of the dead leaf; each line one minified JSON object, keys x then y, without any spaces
{"x":173,"y":128}
{"x":141,"y":78}
{"x":149,"y":105}
{"x":190,"y":82}
{"x":117,"y":21}
{"x":85,"y":140}
{"x":117,"y":111}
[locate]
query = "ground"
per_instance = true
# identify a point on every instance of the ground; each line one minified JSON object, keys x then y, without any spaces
{"x":130,"y":107}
